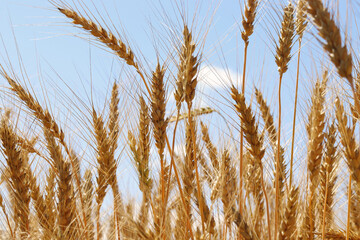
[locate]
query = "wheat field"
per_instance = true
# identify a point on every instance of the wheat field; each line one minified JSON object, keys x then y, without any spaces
{"x":195,"y":177}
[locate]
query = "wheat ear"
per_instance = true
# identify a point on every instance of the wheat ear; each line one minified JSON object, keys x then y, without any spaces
{"x":330,"y":32}
{"x":3,"y":208}
{"x":315,"y":127}
{"x":354,"y":218}
{"x":244,"y":229}
{"x":228,"y":196}
{"x":195,"y":113}
{"x":113,"y":122}
{"x":351,"y":153}
{"x":46,"y":120}
{"x":40,"y":207}
{"x":271,"y":129}
{"x":351,"y":148}
{"x":158,"y":108}
{"x":106,"y":169}
{"x":18,"y":175}
{"x":248,"y":22}
{"x":106,"y":37}
{"x":49,"y":199}
{"x":88,"y":190}
{"x":113,"y":135}
{"x":144,"y":148}
{"x":253,"y":137}
{"x":248,"y":19}
{"x":67,"y":204}
{"x":212,"y":151}
{"x":328,"y":177}
{"x":189,"y":74}
{"x":288,"y":223}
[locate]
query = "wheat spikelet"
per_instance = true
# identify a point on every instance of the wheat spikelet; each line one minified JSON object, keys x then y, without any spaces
{"x":187,"y":70}
{"x":28,"y":145}
{"x":351,"y":153}
{"x":40,"y":207}
{"x":106,"y":169}
{"x":245,"y":231}
{"x":252,"y":136}
{"x":113,"y":124}
{"x":351,"y":148}
{"x":67,"y":205}
{"x":103,"y":156}
{"x":249,"y":126}
{"x":340,"y":235}
{"x":315,"y":127}
{"x":248,"y":22}
{"x":144,"y":148}
{"x":141,"y":153}
{"x":104,"y":36}
{"x":228,"y":196}
{"x":249,"y":19}
{"x":18,"y":175}
{"x":41,"y":114}
{"x":283,"y":49}
{"x":282,"y":58}
{"x":330,"y":32}
{"x":354,"y":210}
{"x":158,"y":107}
{"x":103,"y":163}
{"x":271,"y":129}
{"x":88,"y":190}
{"x":288,"y":223}
{"x":210,"y":146}
{"x":252,"y":179}
{"x":303,"y":231}
{"x":188,"y":168}
{"x":301,"y":22}
{"x":328,"y":177}
{"x":209,"y":219}
{"x":48,"y":122}
{"x":49,"y":199}
{"x":194,"y":113}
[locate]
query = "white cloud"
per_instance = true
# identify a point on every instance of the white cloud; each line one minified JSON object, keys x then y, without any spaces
{"x":217,"y":77}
